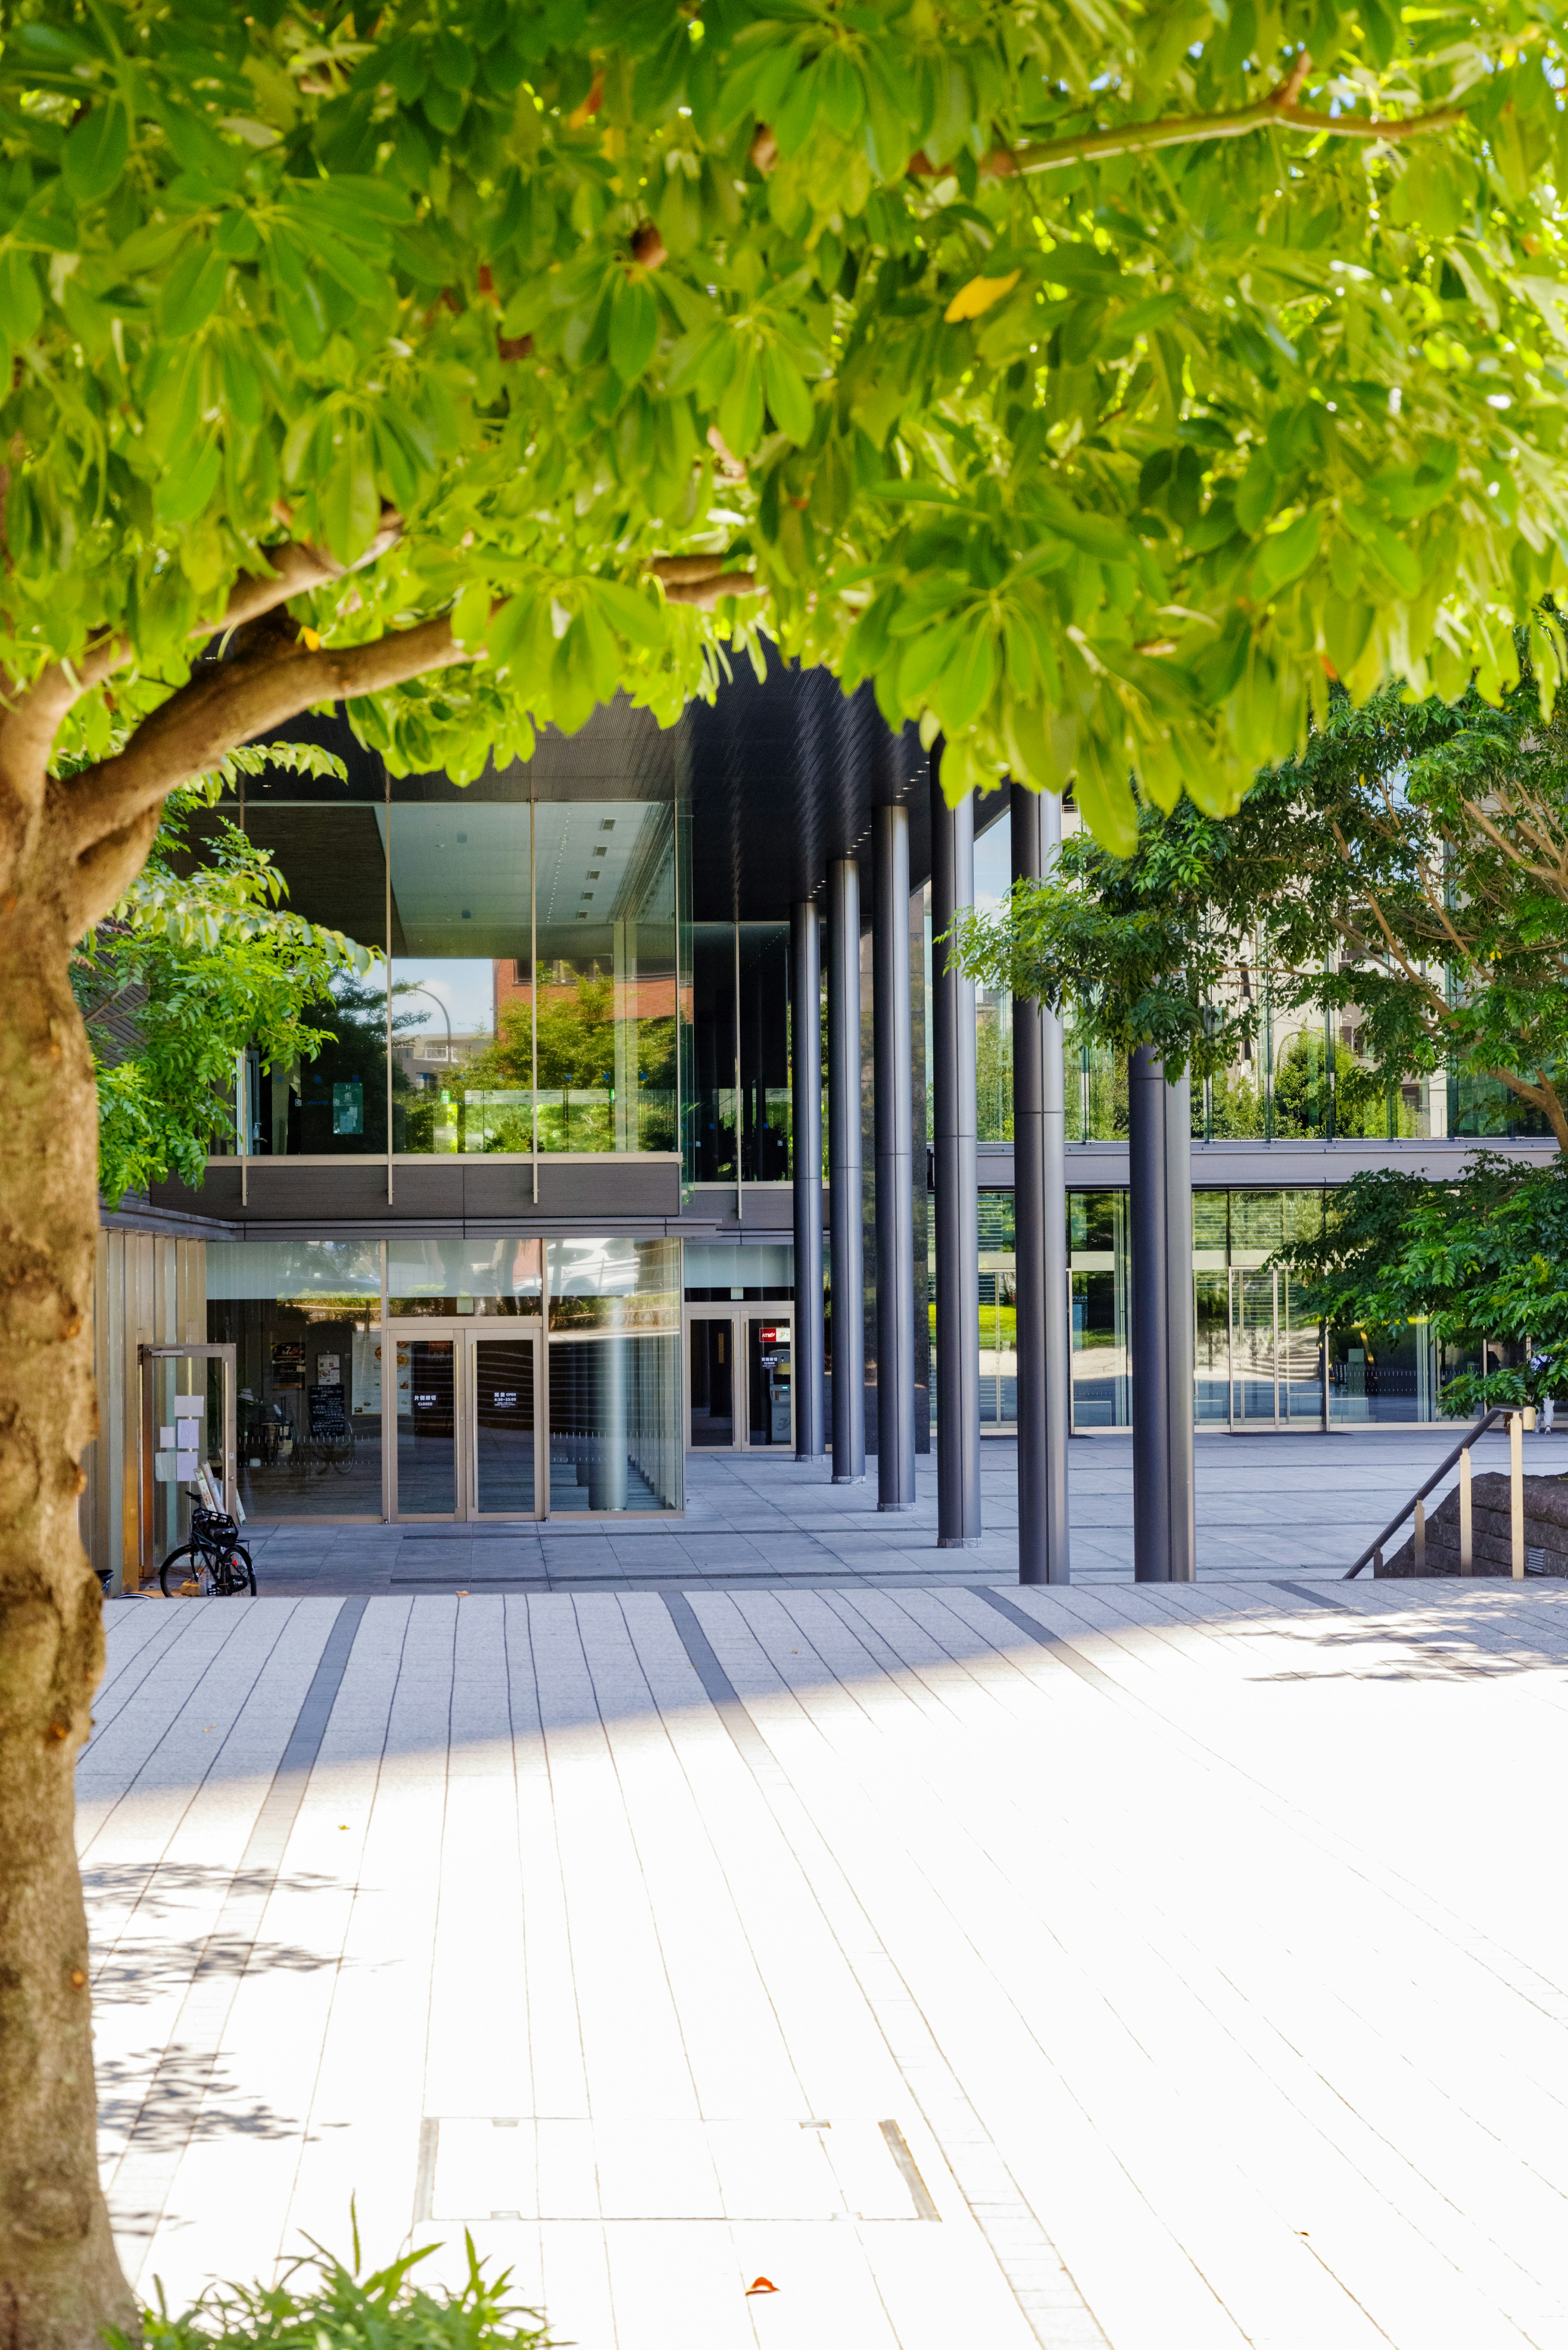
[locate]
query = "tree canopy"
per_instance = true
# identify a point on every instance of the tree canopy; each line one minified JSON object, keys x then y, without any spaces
{"x":1409,"y":867}
{"x":1091,"y":378}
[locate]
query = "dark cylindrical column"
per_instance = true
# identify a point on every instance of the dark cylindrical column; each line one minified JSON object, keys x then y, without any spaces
{"x":846,"y":1283}
{"x":1040,"y":1210}
{"x":957,"y":1214}
{"x":1179,"y":1333}
{"x":892,"y":1085}
{"x":805,"y":1148}
{"x":1160,"y":1238}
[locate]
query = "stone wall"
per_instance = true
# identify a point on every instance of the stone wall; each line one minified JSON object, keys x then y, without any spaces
{"x":1545,"y":1530}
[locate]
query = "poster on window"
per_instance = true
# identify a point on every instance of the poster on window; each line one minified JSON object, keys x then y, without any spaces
{"x":367,"y":1374}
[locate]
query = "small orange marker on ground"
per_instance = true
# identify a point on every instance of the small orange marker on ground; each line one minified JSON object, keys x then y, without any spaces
{"x":760,"y":2285}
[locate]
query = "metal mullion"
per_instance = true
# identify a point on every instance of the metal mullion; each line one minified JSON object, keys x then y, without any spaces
{"x":388,"y":909}
{"x":388,"y":1388}
{"x":534,"y":981}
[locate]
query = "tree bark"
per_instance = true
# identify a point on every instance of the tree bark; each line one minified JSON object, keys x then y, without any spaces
{"x":60,"y":2282}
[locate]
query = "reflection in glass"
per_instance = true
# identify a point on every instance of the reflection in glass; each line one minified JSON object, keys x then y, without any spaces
{"x":504,"y":1427}
{"x":305,"y":1318}
{"x":712,"y":1381}
{"x":427,"y":1434}
{"x":605,"y":895}
{"x":771,"y":1421}
{"x":763,"y":980}
{"x":614,"y":1393}
{"x":711,"y":1111}
{"x":464,"y":1276}
{"x":330,"y":859}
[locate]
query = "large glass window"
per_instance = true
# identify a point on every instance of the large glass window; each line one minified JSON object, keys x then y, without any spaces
{"x":763,"y":980}
{"x":334,"y":1105}
{"x":467,"y":1277}
{"x":615,"y":1375}
{"x":530,"y":999}
{"x":305,"y":1320}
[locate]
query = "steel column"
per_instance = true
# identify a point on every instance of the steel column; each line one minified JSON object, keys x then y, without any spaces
{"x":1159,"y":1157}
{"x":1039,"y":1196}
{"x":958,"y":1199}
{"x":846,"y":1283}
{"x":805,"y":1156}
{"x":893,"y":1118}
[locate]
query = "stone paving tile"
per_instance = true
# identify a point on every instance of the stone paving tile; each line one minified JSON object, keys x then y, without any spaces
{"x":1155,"y":2107}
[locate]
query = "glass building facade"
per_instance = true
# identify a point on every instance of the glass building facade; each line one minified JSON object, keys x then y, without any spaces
{"x":533,"y":980}
{"x":518,"y":1238}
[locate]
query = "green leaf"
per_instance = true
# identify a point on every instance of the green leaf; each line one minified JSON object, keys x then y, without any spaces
{"x":95,"y":152}
{"x":740,"y":408}
{"x":192,"y":291}
{"x":1105,"y":800}
{"x":1398,"y":559}
{"x":21,"y":299}
{"x":633,"y":327}
{"x":186,"y":489}
{"x":521,"y":639}
{"x":787,"y":396}
{"x":634,"y":615}
{"x":963,"y":688}
{"x":1285,"y":556}
{"x":470,"y":614}
{"x":348,"y":502}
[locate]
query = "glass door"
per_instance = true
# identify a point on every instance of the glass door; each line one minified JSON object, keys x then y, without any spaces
{"x":468,"y":1422}
{"x":711,"y":1425}
{"x":187,"y":1443}
{"x":1254,"y":1384}
{"x":503,"y":1383}
{"x":427,"y":1458}
{"x":770,"y":1418}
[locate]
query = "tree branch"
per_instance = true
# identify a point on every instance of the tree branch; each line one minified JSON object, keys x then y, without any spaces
{"x":32,"y":717}
{"x":1187,"y":130}
{"x":224,"y":705}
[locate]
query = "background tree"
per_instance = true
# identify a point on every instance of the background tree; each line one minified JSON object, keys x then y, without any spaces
{"x":198,"y":964}
{"x":1484,"y":1261}
{"x":1087,"y":378}
{"x":1410,"y":865}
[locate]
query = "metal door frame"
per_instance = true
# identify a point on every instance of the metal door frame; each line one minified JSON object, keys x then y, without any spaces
{"x":735,"y":1313}
{"x":465,"y":1333}
{"x":224,"y":1351}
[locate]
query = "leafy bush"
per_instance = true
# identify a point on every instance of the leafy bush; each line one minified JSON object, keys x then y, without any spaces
{"x":319,"y":2304}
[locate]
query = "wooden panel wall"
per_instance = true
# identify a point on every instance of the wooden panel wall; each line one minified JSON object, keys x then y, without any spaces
{"x":149,"y":1289}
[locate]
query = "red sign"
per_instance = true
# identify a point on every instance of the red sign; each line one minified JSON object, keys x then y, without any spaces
{"x":768,"y":1334}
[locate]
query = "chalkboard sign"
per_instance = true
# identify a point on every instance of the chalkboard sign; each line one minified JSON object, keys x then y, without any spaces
{"x":328,"y":1415}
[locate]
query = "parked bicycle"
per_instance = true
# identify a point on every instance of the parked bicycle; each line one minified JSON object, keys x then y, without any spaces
{"x":214,"y":1564}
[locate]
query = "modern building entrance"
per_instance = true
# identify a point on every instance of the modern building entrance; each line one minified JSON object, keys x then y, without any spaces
{"x":740,"y":1393}
{"x":471,"y":1443}
{"x":1259,"y":1363}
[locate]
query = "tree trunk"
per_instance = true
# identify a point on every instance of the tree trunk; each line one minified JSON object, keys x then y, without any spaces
{"x":60,"y":2282}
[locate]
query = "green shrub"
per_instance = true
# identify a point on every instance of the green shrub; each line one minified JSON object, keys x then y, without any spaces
{"x":319,"y":2304}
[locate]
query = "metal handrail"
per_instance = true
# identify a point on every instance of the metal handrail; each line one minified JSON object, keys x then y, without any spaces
{"x":1498,"y":1412}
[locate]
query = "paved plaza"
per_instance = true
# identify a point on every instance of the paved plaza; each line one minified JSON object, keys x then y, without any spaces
{"x":1267,"y":1505}
{"x":1164,"y":1967}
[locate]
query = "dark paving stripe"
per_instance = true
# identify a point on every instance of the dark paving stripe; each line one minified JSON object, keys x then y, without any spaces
{"x":1319,"y":1597}
{"x":1023,"y":2252}
{"x":278,"y":1813}
{"x":1063,"y":1650}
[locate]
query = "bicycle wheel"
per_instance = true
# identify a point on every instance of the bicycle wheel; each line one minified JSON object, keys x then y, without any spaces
{"x":182,"y":1566}
{"x":233,"y":1575}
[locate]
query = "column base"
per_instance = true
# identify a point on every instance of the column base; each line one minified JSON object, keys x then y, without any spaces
{"x":897,"y":1507}
{"x":850,"y":1480}
{"x":958,"y":1542}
